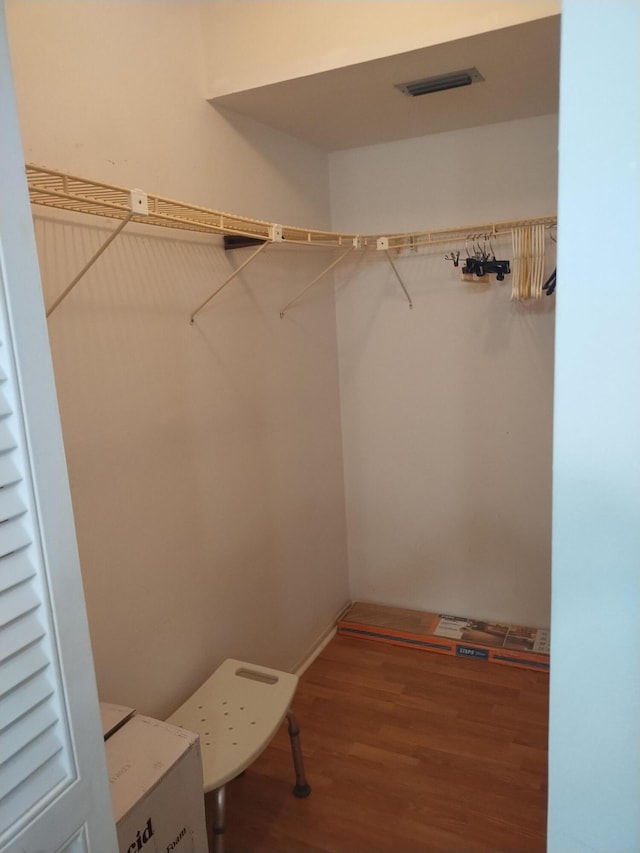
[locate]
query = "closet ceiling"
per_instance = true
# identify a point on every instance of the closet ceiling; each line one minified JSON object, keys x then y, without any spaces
{"x":359,"y":104}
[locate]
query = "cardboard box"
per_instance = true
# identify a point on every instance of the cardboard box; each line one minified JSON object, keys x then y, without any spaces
{"x":462,"y":636}
{"x":113,"y":717}
{"x":155,"y":776}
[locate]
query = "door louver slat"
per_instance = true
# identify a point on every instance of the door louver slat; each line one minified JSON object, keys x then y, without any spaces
{"x":16,"y":568}
{"x":34,"y":788}
{"x":11,"y":504}
{"x":22,"y":667}
{"x":8,"y":471}
{"x":35,"y":755}
{"x":7,"y":440}
{"x":20,"y":633}
{"x":13,"y":536}
{"x":29,"y":694}
{"x":27,"y":728}
{"x":17,"y":602}
{"x":5,"y":408}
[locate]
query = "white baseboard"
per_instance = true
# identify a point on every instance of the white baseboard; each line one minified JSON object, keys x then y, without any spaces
{"x":321,"y":643}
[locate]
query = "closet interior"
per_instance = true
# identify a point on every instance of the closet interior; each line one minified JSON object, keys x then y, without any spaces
{"x":259,"y":436}
{"x":267,"y":425}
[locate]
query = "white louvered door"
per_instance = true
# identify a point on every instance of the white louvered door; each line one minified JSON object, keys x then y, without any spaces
{"x":54,"y":793}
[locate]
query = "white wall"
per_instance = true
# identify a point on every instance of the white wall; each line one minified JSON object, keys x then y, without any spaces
{"x":282,"y":39}
{"x":114,"y":91}
{"x":594,"y":772}
{"x":446,"y":409}
{"x":205,"y":462}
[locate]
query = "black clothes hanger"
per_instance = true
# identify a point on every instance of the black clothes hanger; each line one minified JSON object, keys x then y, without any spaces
{"x":481,"y":266}
{"x":483,"y":260}
{"x":550,"y":284}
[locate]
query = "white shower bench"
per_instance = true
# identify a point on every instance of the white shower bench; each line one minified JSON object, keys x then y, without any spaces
{"x":236,"y":713}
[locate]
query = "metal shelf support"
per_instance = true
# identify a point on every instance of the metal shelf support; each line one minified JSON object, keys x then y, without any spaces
{"x":318,"y":277}
{"x":404,"y":289}
{"x":85,"y":269}
{"x":230,"y":278}
{"x":138,"y":206}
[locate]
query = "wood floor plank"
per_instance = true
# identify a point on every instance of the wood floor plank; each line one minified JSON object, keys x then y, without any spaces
{"x":406,"y":752}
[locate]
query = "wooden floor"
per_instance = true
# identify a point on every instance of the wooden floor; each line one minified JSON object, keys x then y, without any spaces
{"x":405,"y":751}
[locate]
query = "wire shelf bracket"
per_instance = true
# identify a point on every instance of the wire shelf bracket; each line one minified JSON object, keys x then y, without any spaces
{"x":326,"y":270}
{"x":383,"y":246}
{"x":138,"y":207}
{"x":230,"y":278}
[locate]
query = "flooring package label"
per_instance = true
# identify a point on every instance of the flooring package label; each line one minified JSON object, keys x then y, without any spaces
{"x":493,"y":634}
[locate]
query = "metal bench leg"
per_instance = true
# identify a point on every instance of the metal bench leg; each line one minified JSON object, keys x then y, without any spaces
{"x":302,"y":787}
{"x":218,"y":821}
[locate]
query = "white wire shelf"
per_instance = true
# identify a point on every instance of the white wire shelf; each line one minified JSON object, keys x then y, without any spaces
{"x":64,"y":191}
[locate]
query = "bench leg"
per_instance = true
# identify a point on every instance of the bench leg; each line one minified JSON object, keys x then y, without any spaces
{"x":302,"y":787}
{"x":218,"y":821}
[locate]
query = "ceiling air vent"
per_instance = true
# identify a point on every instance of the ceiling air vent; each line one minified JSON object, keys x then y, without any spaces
{"x":441,"y":83}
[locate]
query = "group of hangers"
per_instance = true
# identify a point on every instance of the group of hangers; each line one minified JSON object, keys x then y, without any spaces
{"x":481,"y":259}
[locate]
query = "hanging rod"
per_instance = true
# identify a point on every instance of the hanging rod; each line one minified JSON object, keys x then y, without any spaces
{"x":319,"y":276}
{"x":81,"y":195}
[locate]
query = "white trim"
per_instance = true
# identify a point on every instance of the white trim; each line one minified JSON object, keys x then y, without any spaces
{"x":320,"y":644}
